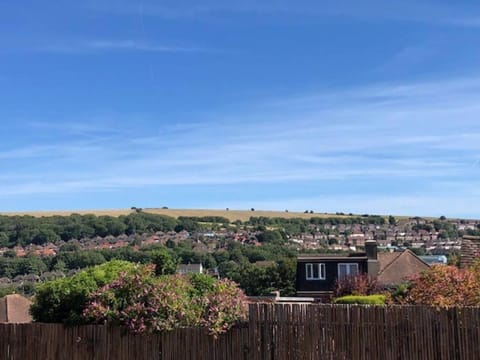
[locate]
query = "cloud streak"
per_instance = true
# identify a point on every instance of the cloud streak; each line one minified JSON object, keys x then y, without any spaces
{"x":100,"y":46}
{"x":370,"y":10}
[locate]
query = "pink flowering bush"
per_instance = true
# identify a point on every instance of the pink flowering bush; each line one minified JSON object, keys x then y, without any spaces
{"x":359,"y":284}
{"x":144,"y":303}
{"x":222,"y":307}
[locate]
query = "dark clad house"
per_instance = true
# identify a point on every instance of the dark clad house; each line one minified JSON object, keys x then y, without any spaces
{"x":317,"y":273}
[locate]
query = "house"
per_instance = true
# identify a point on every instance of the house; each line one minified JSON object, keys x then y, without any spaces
{"x":15,"y":308}
{"x":317,"y":274}
{"x":396,"y":267}
{"x":190,"y":268}
{"x":434,"y":259}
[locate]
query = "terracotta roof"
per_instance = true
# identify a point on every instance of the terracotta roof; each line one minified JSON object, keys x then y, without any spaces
{"x":15,"y":308}
{"x":395,"y":268}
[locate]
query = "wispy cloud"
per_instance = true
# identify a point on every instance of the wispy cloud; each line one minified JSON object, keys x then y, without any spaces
{"x":98,"y":46}
{"x":434,"y":13}
{"x":424,"y":133}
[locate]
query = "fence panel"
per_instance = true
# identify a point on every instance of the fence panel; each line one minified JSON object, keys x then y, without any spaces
{"x":273,"y":332}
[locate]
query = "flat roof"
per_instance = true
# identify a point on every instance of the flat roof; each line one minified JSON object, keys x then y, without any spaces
{"x":327,"y":257}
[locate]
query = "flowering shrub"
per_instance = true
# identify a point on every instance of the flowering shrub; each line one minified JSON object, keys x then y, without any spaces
{"x":64,"y":300}
{"x":141,"y":302}
{"x":222,"y":307}
{"x":145,"y":303}
{"x":360,"y":284}
{"x":444,"y":286}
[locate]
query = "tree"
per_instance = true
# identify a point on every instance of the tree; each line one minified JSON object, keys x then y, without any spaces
{"x":164,"y":262}
{"x":4,"y":240}
{"x":392,"y":220}
{"x":44,"y":236}
{"x":270,"y":237}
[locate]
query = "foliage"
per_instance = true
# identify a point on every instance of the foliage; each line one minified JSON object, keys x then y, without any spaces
{"x":222,"y":307}
{"x":164,"y":262}
{"x":6,"y":291}
{"x":377,"y":299}
{"x":144,"y":303}
{"x":202,"y":284}
{"x":399,"y":293}
{"x":263,"y":280}
{"x":297,"y":225}
{"x":445,"y":286}
{"x":270,"y":237}
{"x":360,"y":284}
{"x":24,"y":230}
{"x":64,"y":300}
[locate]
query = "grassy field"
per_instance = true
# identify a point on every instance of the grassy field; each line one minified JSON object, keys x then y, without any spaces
{"x":232,"y":215}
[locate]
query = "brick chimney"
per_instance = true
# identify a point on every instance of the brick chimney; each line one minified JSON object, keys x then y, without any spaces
{"x":371,"y":251}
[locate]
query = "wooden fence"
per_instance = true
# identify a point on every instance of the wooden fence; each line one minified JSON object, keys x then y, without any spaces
{"x":273,"y":332}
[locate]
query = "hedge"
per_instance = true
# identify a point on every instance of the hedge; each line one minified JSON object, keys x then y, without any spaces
{"x":361,"y":299}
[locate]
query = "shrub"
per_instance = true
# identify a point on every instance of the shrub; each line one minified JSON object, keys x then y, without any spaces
{"x":133,"y":296}
{"x":360,"y":284}
{"x":445,"y":286}
{"x":223,"y":307}
{"x":202,"y":284}
{"x":143,"y":303}
{"x":399,"y":294}
{"x":361,"y":299}
{"x":64,"y":300}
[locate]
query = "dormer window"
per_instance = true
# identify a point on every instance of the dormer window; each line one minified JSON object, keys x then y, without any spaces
{"x":347,"y":269}
{"x":315,"y":271}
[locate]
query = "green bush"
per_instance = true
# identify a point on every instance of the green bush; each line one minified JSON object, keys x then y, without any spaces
{"x":361,"y":299}
{"x":64,"y":300}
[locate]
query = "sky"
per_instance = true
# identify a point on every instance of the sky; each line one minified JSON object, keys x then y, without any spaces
{"x":332,"y":106}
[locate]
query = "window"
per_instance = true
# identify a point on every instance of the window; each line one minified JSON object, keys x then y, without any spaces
{"x":345,"y":269}
{"x":315,"y":271}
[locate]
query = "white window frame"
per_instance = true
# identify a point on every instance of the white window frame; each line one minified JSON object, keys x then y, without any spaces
{"x":349,"y":271}
{"x":320,"y":268}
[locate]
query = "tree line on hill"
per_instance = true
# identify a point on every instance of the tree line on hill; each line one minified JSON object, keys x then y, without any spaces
{"x":25,"y":230}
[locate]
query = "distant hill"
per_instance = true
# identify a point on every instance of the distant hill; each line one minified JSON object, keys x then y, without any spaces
{"x":232,"y":215}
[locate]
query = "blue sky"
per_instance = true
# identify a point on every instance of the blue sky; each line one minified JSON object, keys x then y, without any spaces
{"x":364,"y":107}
